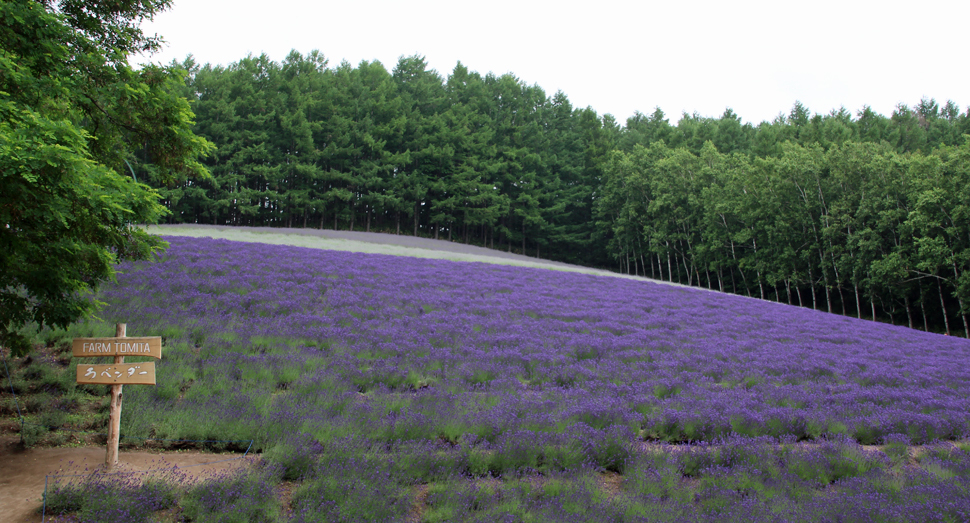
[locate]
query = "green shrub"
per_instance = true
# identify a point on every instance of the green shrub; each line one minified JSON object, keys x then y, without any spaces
{"x":31,"y":434}
{"x":52,"y":419}
{"x":292,"y":461}
{"x":654,"y":474}
{"x":64,"y":498}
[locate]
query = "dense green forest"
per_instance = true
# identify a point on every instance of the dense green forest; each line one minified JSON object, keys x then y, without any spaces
{"x":862,"y":214}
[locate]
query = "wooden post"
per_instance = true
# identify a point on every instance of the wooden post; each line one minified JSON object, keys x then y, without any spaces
{"x":114,"y":419}
{"x":116,"y":374}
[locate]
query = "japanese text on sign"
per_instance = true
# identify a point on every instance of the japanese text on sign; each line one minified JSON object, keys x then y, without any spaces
{"x":118,"y":373}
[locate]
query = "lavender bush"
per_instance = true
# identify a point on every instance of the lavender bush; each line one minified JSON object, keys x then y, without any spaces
{"x":122,"y":498}
{"x":347,"y":488}
{"x":267,"y":341}
{"x":233,"y":497}
{"x":509,"y":392}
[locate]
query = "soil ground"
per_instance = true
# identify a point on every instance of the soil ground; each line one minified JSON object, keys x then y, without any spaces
{"x":345,"y":240}
{"x":24,"y":471}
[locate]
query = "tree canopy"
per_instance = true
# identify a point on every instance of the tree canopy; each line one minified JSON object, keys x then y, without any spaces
{"x":74,"y":116}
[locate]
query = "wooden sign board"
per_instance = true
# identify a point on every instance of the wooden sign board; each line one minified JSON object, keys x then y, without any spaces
{"x":117,"y":374}
{"x":90,"y":347}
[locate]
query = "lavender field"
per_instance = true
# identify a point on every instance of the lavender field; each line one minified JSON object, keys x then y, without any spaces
{"x":395,"y":388}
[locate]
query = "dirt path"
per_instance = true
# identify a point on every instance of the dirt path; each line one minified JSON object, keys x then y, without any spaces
{"x":22,"y":472}
{"x":347,"y":240}
{"x":384,"y":243}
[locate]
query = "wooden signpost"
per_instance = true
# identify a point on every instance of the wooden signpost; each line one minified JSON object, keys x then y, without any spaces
{"x":117,"y":374}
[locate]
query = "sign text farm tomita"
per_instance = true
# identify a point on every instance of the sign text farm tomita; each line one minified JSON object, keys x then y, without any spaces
{"x":88,"y":347}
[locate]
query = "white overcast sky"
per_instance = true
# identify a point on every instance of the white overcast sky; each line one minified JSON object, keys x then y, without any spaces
{"x":757,"y":57}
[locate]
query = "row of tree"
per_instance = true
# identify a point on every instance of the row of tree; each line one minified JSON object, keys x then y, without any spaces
{"x":486,"y":159}
{"x":856,"y":229}
{"x":831,"y":211}
{"x":920,"y":128}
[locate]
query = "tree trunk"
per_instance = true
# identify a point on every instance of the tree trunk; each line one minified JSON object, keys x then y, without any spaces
{"x":352,"y":214}
{"x":368,"y":218}
{"x":946,"y":320}
{"x":691,"y":272}
{"x":734,"y":256}
{"x":670,"y":268}
{"x":828,"y":293}
{"x":858,"y":306}
{"x":417,"y":217}
{"x":909,"y":311}
{"x":678,"y":262}
{"x":811,"y":283}
{"x":963,"y":316}
{"x":922,"y":307}
{"x":838,"y":280}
